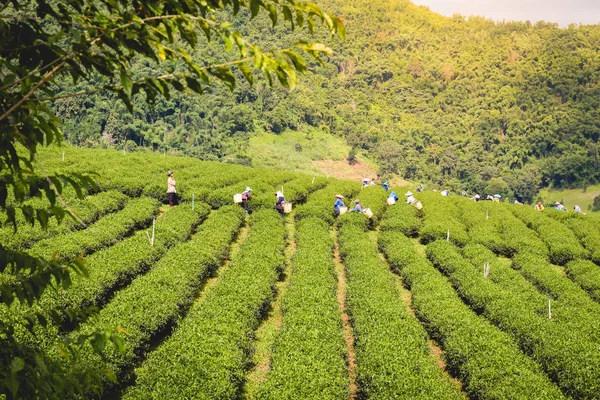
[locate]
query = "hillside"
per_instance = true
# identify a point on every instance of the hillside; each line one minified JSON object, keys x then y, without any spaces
{"x":458,"y":300}
{"x":453,"y":101}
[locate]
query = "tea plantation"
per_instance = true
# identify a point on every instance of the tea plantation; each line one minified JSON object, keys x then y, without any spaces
{"x":461,"y":299}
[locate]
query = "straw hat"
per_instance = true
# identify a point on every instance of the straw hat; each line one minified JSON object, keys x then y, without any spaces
{"x":339,"y":196}
{"x":247,"y":189}
{"x":409,"y":193}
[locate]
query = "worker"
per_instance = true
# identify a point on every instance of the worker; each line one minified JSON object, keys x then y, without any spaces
{"x":476,"y":197}
{"x":372,"y":183}
{"x":279,"y":203}
{"x":386,"y":186}
{"x":357,"y":206}
{"x":559,"y":206}
{"x":410,"y":199}
{"x":539,"y":206}
{"x":394,"y":195}
{"x":338,"y":203}
{"x":445,"y":193}
{"x":578,"y":210}
{"x":171,"y":191}
{"x":517,"y":202}
{"x":420,"y":187}
{"x":245,"y":197}
{"x":366,"y":182}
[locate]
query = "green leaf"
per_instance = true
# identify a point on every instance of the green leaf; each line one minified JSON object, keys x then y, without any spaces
{"x":246,"y":72}
{"x":194,"y":85}
{"x":254,"y":7}
{"x":272,"y":14}
{"x":126,"y":81}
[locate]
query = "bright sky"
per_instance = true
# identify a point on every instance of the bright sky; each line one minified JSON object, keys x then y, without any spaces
{"x":562,"y":11}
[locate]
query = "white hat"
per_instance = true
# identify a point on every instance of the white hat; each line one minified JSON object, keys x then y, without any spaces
{"x":279,"y":194}
{"x":366,"y":179}
{"x":409,"y":193}
{"x":247,"y":189}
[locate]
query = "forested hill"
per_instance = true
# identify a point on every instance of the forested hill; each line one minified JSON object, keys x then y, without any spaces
{"x":461,"y":101}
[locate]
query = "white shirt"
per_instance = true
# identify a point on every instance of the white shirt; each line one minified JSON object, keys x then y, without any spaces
{"x":171,"y":185}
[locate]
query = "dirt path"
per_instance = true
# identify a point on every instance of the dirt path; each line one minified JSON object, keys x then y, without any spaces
{"x":348,"y":335}
{"x":341,"y":169}
{"x":436,"y":351}
{"x":233,"y":252}
{"x":266,"y":333}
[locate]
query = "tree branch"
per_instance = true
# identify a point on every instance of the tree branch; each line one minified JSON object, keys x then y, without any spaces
{"x":32,"y":91}
{"x":161,"y":77}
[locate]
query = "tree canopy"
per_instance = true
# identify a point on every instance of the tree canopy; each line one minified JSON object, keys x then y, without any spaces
{"x":462,"y":98}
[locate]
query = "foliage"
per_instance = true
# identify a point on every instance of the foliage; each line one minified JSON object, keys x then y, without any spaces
{"x":561,"y":242}
{"x":487,"y":360}
{"x":320,"y":203}
{"x":154,"y":300}
{"x":309,"y":354}
{"x":596,"y":204}
{"x":439,"y":217}
{"x":393,"y":358}
{"x":587,"y":275}
{"x":210,"y":349}
{"x":114,"y":266}
{"x":430,"y":97}
{"x":402,"y":218}
{"x":565,"y":354}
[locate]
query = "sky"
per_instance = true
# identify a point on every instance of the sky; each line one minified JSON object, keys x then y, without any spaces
{"x":564,"y":12}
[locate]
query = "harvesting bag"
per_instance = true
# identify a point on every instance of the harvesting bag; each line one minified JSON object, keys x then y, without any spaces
{"x":391,"y":201}
{"x":368,"y":212}
{"x":237,"y":198}
{"x":419,"y":205}
{"x":343,"y":210}
{"x":287,"y":207}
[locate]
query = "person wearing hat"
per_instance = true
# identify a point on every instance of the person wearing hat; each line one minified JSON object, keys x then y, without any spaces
{"x":410,"y":199}
{"x":171,"y":191}
{"x":279,"y":203}
{"x":245,"y":197}
{"x":338,"y":203}
{"x":559,"y":206}
{"x":366,"y":182}
{"x":386,"y":186}
{"x":357,"y":206}
{"x":394,"y":195}
{"x":578,"y":210}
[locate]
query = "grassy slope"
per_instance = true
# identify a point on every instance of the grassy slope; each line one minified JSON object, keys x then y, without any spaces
{"x":570,"y":197}
{"x":279,"y":151}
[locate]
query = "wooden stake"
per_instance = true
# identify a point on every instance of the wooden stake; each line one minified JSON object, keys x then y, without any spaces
{"x":153,"y":226}
{"x":486,"y":214}
{"x":549,"y":309}
{"x":448,"y":236}
{"x":313,"y":182}
{"x":192,"y":201}
{"x":63,"y":158}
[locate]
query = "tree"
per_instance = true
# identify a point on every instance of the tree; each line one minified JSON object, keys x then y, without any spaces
{"x":44,"y":41}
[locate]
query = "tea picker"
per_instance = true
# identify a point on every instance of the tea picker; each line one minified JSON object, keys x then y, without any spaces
{"x":338,"y":206}
{"x":280,"y":204}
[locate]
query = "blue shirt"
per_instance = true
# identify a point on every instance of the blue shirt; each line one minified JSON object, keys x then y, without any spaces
{"x":357,"y":208}
{"x":338,"y":203}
